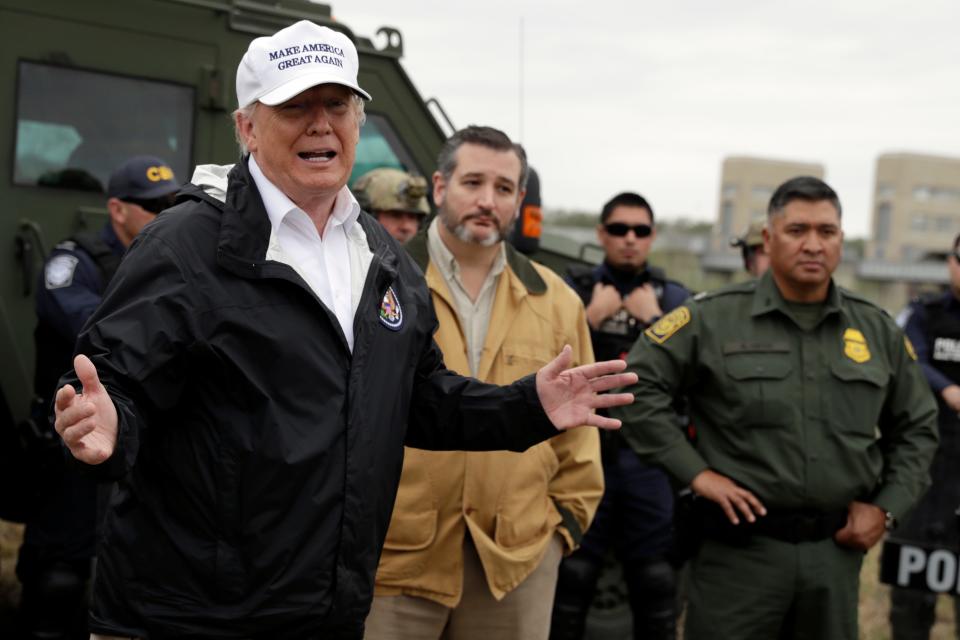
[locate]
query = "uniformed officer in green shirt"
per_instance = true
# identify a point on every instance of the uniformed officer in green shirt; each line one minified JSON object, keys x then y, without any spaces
{"x":815,"y":430}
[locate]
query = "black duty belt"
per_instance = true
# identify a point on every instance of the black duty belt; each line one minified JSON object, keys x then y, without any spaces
{"x":787,"y":525}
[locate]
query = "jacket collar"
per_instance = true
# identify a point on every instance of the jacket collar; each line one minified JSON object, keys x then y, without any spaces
{"x":245,"y":227}
{"x":519,"y":264}
{"x":767,"y":298}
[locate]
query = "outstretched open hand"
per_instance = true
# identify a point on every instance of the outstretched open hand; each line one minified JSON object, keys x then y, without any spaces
{"x":87,"y":422}
{"x":570,"y":397}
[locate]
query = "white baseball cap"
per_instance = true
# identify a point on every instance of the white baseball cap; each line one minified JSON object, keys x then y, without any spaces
{"x":276,"y":68}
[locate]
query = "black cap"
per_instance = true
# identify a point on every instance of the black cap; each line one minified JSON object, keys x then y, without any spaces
{"x":142,"y":178}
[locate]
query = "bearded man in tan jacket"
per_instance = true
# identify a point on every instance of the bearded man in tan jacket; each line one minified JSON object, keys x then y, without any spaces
{"x":476,"y":537}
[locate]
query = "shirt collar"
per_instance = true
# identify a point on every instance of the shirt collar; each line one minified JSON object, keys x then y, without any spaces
{"x":767,"y":298}
{"x":345,"y":210}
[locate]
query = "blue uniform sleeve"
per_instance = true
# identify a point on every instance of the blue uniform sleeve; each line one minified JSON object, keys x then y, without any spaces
{"x":674,"y":295}
{"x":70,"y":290}
{"x":916,"y":330}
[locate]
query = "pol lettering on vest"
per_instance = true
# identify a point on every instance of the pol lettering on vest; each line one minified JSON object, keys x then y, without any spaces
{"x":920,"y":568}
{"x":946,"y":349}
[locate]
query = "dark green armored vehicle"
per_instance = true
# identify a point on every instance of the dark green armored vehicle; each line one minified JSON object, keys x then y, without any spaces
{"x":91,"y":83}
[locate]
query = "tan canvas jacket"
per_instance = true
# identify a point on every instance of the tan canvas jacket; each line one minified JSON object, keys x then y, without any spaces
{"x":512,"y":503}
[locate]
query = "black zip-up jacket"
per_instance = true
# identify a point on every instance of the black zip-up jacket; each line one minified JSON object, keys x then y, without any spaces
{"x":258,"y":458}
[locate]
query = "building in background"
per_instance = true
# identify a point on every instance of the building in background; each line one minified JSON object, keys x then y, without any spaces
{"x":916,"y":210}
{"x":916,"y":215}
{"x":746,"y":185}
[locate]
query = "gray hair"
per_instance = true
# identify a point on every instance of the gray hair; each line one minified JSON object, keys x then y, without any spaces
{"x":246,"y":112}
{"x":485,"y":137}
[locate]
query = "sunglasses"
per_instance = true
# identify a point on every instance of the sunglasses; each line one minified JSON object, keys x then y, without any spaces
{"x":154,"y":205}
{"x":620,"y":229}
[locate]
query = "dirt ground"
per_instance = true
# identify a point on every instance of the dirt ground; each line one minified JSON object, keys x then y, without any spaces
{"x":874,"y":597}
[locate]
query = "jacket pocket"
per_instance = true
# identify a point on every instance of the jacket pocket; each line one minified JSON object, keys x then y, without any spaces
{"x":411,"y":531}
{"x":521,"y":529}
{"x":759,"y":389}
{"x":404,"y":554}
{"x":758,"y":365}
{"x":856,"y":411}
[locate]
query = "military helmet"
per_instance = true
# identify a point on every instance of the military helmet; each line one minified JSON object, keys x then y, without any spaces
{"x":752,"y":237}
{"x":392,"y":190}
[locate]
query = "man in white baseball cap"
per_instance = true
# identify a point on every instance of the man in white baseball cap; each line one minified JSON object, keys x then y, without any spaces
{"x":261,"y":358}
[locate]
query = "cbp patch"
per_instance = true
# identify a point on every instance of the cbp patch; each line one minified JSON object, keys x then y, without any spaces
{"x":59,"y":271}
{"x":855,"y":346}
{"x":391,"y":315}
{"x":909,"y":346}
{"x":668,"y":325}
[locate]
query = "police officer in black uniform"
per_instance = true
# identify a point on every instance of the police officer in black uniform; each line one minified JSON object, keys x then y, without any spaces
{"x":623,"y":296}
{"x":933,"y":326}
{"x":58,"y":548}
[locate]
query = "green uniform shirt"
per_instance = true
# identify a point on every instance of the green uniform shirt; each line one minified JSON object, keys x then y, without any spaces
{"x":812,"y":418}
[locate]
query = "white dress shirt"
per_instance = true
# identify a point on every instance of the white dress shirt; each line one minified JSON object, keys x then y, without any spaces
{"x":474,"y":314}
{"x":335,"y":265}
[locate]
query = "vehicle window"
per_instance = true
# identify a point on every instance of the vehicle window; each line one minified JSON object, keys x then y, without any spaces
{"x":379,"y":146}
{"x":74,"y":127}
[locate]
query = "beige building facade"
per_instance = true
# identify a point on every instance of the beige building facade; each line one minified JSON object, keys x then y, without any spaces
{"x":746,"y":184}
{"x":916,"y":210}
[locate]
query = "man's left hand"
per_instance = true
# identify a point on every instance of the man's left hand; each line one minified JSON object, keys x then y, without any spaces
{"x":571,"y":396}
{"x":865,"y":526}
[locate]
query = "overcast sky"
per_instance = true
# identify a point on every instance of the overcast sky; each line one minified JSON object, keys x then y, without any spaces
{"x":651,"y":97}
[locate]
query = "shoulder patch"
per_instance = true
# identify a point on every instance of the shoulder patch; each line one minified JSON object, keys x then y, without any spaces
{"x":668,"y":325}
{"x":909,"y":347}
{"x":59,"y":271}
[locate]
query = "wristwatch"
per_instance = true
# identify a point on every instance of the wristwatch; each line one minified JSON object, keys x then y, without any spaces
{"x":889,"y":521}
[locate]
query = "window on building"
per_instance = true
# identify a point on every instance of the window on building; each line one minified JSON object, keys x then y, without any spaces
{"x":729,"y":191}
{"x":726,"y":219}
{"x":761,"y":193}
{"x":944,"y":194}
{"x":882,"y":230}
{"x":885,"y":191}
{"x":919,"y":222}
{"x":108,"y":119}
{"x":910,"y":253}
{"x":921,"y":192}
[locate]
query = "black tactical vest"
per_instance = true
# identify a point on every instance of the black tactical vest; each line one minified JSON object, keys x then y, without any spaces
{"x":934,"y":519}
{"x":943,"y":338}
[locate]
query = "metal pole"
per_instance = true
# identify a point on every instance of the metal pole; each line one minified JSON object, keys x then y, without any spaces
{"x":520,"y":98}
